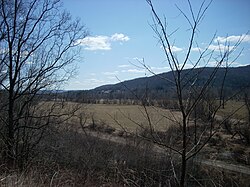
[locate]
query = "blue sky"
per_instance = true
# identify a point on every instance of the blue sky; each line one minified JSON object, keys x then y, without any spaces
{"x":120,"y":36}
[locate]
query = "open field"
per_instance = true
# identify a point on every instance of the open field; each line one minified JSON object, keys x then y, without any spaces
{"x":121,"y":117}
{"x":133,"y":117}
{"x":91,"y":157}
{"x":130,"y":117}
{"x":237,"y":109}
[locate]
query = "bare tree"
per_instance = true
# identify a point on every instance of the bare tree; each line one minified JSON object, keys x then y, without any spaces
{"x":38,"y":45}
{"x":191,"y":92}
{"x":245,"y":128}
{"x":247,"y":103}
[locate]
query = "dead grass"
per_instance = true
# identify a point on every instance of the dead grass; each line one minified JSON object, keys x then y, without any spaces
{"x":235,"y":108}
{"x":84,"y":160}
{"x":130,"y":117}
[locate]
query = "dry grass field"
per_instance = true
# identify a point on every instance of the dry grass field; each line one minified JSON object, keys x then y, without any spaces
{"x":72,"y":157}
{"x":133,"y":117}
{"x":237,"y":109}
{"x":130,"y":117}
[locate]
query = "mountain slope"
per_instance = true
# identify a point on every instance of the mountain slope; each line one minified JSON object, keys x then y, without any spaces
{"x":236,"y":77}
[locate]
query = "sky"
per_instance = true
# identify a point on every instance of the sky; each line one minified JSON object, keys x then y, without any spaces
{"x":121,"y":38}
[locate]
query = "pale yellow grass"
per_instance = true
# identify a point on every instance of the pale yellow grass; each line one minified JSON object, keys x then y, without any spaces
{"x":236,"y":109}
{"x":131,"y":117}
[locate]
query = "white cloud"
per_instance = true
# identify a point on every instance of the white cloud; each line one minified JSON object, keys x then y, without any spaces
{"x":95,"y":80}
{"x":233,"y":38}
{"x":160,"y":68}
{"x":93,"y":43}
{"x":111,"y":73}
{"x":188,"y":66}
{"x":87,"y":83}
{"x":119,"y":37}
{"x":196,"y":49}
{"x":231,"y":64}
{"x":112,"y":78}
{"x":124,"y":66}
{"x":138,"y":59}
{"x":135,"y":71}
{"x":175,"y":49}
{"x":220,"y":47}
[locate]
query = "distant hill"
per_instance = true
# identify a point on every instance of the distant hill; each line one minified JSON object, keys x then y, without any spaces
{"x":162,"y":86}
{"x":237,"y":77}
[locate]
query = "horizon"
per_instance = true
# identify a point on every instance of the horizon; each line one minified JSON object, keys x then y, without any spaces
{"x":121,"y":37}
{"x":145,"y":77}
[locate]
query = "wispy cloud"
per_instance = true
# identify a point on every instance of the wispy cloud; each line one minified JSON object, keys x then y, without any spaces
{"x":160,"y":68}
{"x":231,"y":64}
{"x":175,"y":49}
{"x":119,"y":37}
{"x":233,"y":38}
{"x":112,"y":78}
{"x":124,"y":66}
{"x":138,"y":59}
{"x":136,"y":71}
{"x":93,"y":43}
{"x":188,"y":66}
{"x":196,"y":49}
{"x":220,"y":47}
{"x":157,"y":70}
{"x":111,"y":73}
{"x":86,"y":83}
{"x":133,"y":71}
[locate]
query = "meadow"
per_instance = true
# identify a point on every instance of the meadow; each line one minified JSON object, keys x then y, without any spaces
{"x":237,"y":109}
{"x":131,"y":117}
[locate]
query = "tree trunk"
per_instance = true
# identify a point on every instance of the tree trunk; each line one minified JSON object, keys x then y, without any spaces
{"x":10,"y":128}
{"x":183,"y":156}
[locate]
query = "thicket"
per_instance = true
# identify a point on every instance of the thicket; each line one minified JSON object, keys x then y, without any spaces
{"x":69,"y":157}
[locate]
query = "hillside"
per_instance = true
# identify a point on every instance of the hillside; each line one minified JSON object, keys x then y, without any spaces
{"x":237,"y":77}
{"x":162,"y":85}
